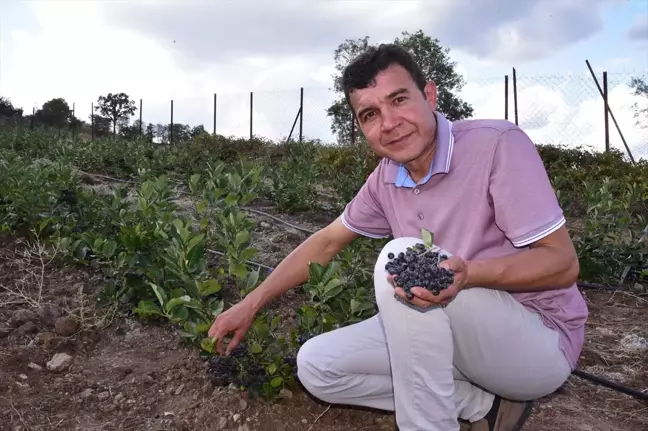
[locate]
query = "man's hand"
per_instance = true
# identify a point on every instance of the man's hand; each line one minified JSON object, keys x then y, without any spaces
{"x":237,"y":320}
{"x":425,"y":299}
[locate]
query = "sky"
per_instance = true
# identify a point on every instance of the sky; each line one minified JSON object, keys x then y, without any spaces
{"x":159,"y":50}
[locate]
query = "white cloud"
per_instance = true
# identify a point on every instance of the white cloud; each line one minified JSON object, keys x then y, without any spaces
{"x":79,"y":52}
{"x":639,"y":29}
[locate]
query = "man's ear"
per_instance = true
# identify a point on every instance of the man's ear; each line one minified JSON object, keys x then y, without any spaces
{"x":430,"y":91}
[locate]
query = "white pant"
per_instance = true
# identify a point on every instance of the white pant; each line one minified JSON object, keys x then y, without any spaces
{"x":430,"y":367}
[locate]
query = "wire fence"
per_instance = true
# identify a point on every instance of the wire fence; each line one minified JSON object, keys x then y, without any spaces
{"x":555,"y":109}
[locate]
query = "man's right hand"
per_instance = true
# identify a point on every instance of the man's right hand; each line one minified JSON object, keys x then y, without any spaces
{"x":236,"y":320}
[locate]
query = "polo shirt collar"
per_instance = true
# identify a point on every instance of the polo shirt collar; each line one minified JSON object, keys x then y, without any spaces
{"x":398,"y":174}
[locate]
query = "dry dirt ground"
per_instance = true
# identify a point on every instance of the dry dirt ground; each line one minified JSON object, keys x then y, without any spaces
{"x":126,"y":375}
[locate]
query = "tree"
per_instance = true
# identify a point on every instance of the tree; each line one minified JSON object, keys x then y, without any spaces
{"x":100,"y":125}
{"x":7,"y":109}
{"x":641,"y":113}
{"x":129,"y":131}
{"x":115,"y":107}
{"x":54,"y":113}
{"x":434,"y":62}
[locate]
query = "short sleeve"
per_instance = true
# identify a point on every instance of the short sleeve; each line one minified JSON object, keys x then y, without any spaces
{"x":364,"y":215}
{"x":525,"y":204}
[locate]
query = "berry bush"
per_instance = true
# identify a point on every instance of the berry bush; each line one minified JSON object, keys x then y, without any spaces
{"x":175,"y":243}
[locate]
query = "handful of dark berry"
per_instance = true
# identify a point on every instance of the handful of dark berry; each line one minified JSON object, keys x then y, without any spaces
{"x":419,"y":267}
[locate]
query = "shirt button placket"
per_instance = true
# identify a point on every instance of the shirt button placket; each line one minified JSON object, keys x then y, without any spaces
{"x":416,"y":192}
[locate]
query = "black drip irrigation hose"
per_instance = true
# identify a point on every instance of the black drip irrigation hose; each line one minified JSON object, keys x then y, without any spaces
{"x":597,"y":286}
{"x":611,"y":385}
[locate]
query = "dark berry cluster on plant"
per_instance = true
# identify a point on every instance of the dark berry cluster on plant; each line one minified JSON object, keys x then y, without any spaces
{"x":418,"y":266}
{"x":303,"y":337}
{"x":224,"y":370}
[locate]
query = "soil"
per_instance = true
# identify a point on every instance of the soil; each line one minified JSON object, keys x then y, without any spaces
{"x":123,"y":374}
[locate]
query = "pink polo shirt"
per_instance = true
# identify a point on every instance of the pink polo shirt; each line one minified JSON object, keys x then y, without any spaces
{"x":487,"y":195}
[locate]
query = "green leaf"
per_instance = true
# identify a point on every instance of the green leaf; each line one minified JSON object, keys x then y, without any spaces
{"x":208,"y":344}
{"x":180,"y":313}
{"x":208,"y":287}
{"x":147,"y":309}
{"x":248,"y":253}
{"x":238,"y":270}
{"x":428,"y":238}
{"x":174,"y":302}
{"x":196,"y":259}
{"x":255,"y":348}
{"x":195,"y":241}
{"x":331,"y":269}
{"x":272,"y":368}
{"x":161,"y":295}
{"x":276,"y":382}
{"x":216,"y":307}
{"x":231,"y":199}
{"x":241,"y":238}
{"x":108,"y":249}
{"x":252,"y":280}
{"x":316,"y":270}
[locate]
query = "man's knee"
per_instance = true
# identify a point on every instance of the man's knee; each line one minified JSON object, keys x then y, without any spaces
{"x":312,"y":371}
{"x":473,"y":302}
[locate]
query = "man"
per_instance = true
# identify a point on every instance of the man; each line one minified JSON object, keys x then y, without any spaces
{"x":510,"y":327}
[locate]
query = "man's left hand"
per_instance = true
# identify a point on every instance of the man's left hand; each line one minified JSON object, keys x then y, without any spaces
{"x":425,"y":299}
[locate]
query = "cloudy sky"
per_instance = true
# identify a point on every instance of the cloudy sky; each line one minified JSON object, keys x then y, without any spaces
{"x":159,"y":50}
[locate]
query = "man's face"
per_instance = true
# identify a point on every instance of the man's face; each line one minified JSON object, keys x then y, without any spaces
{"x":395,"y":117}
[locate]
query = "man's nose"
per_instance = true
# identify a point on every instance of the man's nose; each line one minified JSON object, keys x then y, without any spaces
{"x":389,"y":120}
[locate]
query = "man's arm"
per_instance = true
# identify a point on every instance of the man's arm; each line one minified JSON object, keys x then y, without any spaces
{"x":549,"y":263}
{"x":526,"y":209}
{"x":363,"y":216}
{"x":321,"y":247}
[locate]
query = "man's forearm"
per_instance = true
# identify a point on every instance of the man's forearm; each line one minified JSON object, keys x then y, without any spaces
{"x":293,"y":270}
{"x":541,"y":268}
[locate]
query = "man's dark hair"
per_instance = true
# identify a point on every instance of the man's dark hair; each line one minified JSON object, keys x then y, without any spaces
{"x":362,"y":71}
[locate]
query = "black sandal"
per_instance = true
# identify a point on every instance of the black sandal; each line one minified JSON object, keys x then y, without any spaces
{"x":505,"y":415}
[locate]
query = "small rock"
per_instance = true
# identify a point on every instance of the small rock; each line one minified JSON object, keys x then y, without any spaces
{"x":26,"y":329}
{"x":60,"y":362}
{"x":66,"y":326}
{"x":49,"y":340}
{"x":34,"y":366}
{"x":304,"y":421}
{"x":634,"y":342}
{"x":23,"y":376}
{"x":265,"y":225}
{"x":638,"y":288}
{"x":285,"y":394}
{"x":20,"y":317}
{"x":236,"y":417}
{"x":222,"y":423}
{"x":233,"y":387}
{"x":243,"y":404}
{"x":179,"y":390}
{"x":605,"y":331}
{"x":85,"y":394}
{"x":103,"y":395}
{"x":48,"y":314}
{"x":119,"y":397}
{"x":107,"y":408}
